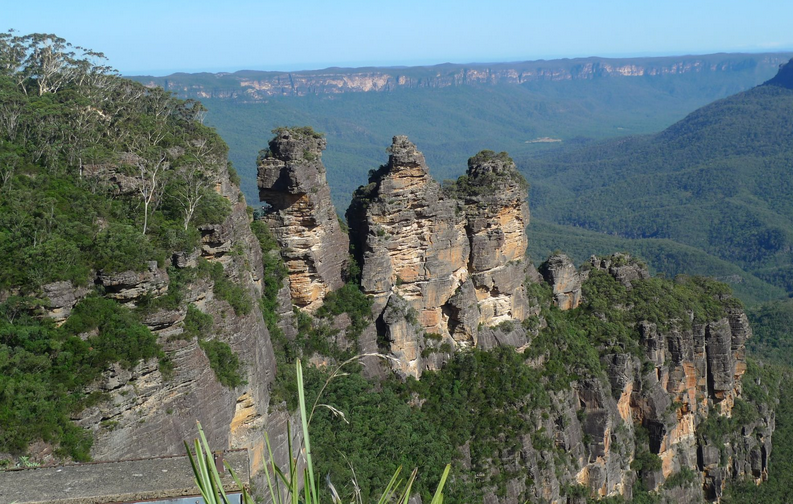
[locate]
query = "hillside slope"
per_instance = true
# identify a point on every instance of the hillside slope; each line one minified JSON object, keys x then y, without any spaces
{"x":719,"y":180}
{"x":449,"y":116}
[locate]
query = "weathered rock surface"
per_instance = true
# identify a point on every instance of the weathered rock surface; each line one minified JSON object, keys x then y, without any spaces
{"x":61,"y":298}
{"x":455,"y":256}
{"x":301,"y":215}
{"x":411,"y":242}
{"x":143,"y":404}
{"x":497,"y":214}
{"x":685,"y":374}
{"x":561,"y":273}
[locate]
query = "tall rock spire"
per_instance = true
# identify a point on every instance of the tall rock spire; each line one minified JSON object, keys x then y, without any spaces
{"x":301,"y":215}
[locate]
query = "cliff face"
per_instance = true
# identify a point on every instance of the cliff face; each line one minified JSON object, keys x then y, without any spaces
{"x":301,"y":215}
{"x":411,"y":244}
{"x":256,"y":86}
{"x":497,"y":214}
{"x":149,"y":414}
{"x":658,"y":404}
{"x":442,"y":263}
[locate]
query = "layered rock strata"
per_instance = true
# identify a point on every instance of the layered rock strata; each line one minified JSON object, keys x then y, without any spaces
{"x":301,"y":215}
{"x":497,"y":214}
{"x":149,"y":413}
{"x":411,"y":243}
{"x":685,"y":374}
{"x":448,"y":261}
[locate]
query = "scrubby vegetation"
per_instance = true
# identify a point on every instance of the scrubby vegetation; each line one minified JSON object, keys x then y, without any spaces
{"x":98,"y":175}
{"x":44,"y":369}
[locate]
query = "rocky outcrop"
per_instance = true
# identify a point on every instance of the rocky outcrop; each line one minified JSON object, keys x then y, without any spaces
{"x":655,"y":407}
{"x":301,"y":215}
{"x":622,"y":267}
{"x":61,"y":297}
{"x":453,"y":256}
{"x":560,"y":272}
{"x":410,"y":241}
{"x":494,"y":194}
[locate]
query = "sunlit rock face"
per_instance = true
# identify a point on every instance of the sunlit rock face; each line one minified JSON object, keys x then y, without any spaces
{"x":301,"y":215}
{"x":497,"y":214}
{"x":454,"y":255}
{"x":410,"y":239}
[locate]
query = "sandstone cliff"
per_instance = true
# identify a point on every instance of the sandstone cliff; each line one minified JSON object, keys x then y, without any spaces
{"x":445,"y":263}
{"x":301,"y":215}
{"x":144,"y":405}
{"x":655,"y":414}
{"x":258,"y":86}
{"x":411,"y":244}
{"x":497,"y":213}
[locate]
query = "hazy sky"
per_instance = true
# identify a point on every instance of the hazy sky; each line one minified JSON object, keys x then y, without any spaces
{"x":163,"y":36}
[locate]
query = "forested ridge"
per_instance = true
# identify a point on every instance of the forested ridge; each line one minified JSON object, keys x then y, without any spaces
{"x":98,"y":175}
{"x":101,"y":175}
{"x":718,"y":181}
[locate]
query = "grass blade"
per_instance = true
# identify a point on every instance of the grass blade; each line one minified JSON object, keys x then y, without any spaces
{"x":438,"y":497}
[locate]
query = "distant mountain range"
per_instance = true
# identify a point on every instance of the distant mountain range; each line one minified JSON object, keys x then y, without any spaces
{"x":253,"y":86}
{"x":453,"y":111}
{"x":719,"y":180}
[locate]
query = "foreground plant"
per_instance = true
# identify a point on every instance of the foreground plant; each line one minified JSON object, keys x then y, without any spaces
{"x":285,"y":486}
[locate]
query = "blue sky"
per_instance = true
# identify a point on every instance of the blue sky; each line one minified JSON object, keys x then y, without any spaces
{"x":160,"y":37}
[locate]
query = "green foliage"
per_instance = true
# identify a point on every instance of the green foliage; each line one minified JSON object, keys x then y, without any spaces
{"x":664,"y":256}
{"x":274,"y":273}
{"x":683,"y":478}
{"x":772,"y":325}
{"x":197,"y":324}
{"x":777,"y":489}
{"x":225,"y":289}
{"x":121,"y":337}
{"x":287,"y":479}
{"x":93,"y":167}
{"x":121,"y":247}
{"x":224,"y":362}
{"x":717,"y":182}
{"x":44,"y":370}
{"x":350,"y":300}
{"x":298,"y":131}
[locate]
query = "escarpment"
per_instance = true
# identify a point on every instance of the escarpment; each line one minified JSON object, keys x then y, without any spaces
{"x":301,"y":215}
{"x":146,"y":403}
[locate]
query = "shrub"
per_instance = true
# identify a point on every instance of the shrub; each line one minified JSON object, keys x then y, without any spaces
{"x":224,"y":362}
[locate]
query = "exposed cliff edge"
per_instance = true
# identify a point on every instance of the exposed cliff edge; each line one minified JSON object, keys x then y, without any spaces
{"x":784,"y":78}
{"x":301,"y":215}
{"x":257,"y":86}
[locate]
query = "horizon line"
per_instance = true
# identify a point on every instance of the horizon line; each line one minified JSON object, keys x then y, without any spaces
{"x":405,"y":65}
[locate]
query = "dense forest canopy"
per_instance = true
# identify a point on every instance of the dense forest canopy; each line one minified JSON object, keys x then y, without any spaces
{"x":717,"y":181}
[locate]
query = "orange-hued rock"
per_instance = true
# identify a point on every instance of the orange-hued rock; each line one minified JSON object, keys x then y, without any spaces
{"x":454,"y":255}
{"x":301,"y":215}
{"x":494,"y":194}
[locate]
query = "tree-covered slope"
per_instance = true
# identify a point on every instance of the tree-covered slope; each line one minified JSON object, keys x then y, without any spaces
{"x":719,"y":180}
{"x":102,"y":181}
{"x":451,"y":123}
